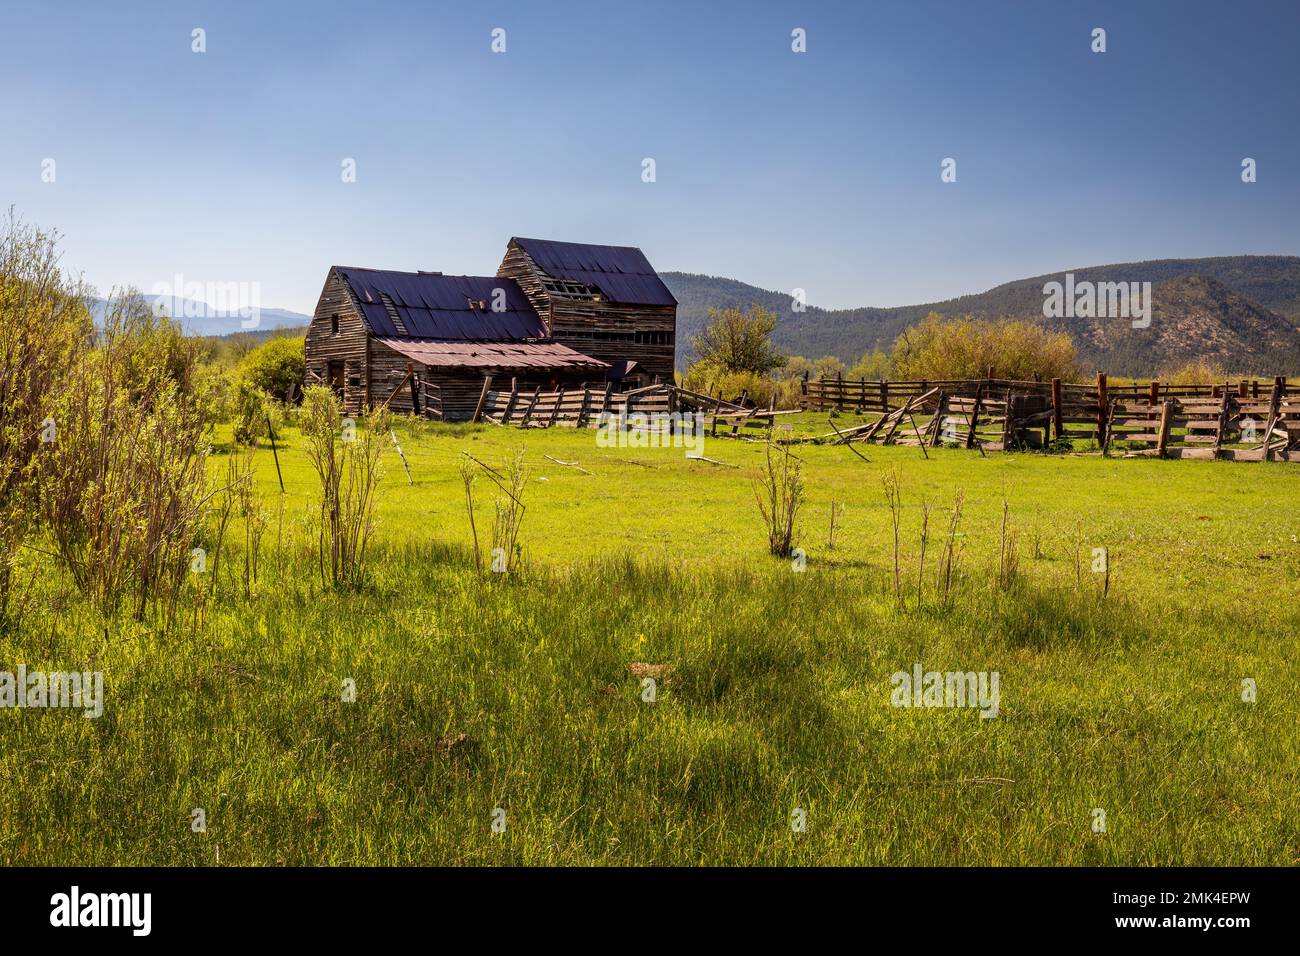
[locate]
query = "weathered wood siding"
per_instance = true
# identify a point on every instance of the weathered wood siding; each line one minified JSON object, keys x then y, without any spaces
{"x":350,"y":345}
{"x":605,"y":330}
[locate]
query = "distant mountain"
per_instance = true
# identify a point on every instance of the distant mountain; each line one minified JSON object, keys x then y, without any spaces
{"x":197,"y":318}
{"x":1242,"y":311}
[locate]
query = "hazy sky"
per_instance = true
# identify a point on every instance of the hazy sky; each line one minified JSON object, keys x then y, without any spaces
{"x":818,"y":170}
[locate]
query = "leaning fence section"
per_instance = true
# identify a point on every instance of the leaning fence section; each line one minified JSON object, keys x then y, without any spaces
{"x":579,"y":406}
{"x":1249,"y":420}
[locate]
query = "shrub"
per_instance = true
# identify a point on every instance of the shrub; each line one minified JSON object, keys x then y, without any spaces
{"x":779,"y":492}
{"x":940,"y":349}
{"x":123,"y":486}
{"x":512,"y":483}
{"x":711,"y":380}
{"x":43,"y":325}
{"x":254,"y":408}
{"x":277,"y":368}
{"x":1199,"y":371}
{"x":509,"y":514}
{"x":347,"y":460}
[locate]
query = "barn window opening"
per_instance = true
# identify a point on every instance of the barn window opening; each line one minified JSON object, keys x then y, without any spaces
{"x":608,"y":335}
{"x":652,"y":338}
{"x":334,"y":324}
{"x":571,"y":290}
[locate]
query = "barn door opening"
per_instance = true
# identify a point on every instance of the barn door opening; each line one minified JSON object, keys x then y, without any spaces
{"x":336,"y":378}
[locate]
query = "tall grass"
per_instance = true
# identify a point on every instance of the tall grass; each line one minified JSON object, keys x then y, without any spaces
{"x":774,"y":688}
{"x":471,"y":698}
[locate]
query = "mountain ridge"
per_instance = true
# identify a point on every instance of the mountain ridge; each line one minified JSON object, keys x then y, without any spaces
{"x":1245,"y":315}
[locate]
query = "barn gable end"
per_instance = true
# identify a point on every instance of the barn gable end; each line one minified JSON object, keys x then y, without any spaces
{"x":337,"y":346}
{"x":605,"y":301}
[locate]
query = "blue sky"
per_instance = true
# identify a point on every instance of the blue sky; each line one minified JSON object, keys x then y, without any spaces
{"x":817,"y":170}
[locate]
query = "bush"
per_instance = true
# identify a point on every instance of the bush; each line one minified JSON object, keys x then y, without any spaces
{"x":123,"y":485}
{"x":779,"y":493}
{"x":253,"y":409}
{"x":872,"y":367}
{"x":277,"y":368}
{"x":347,"y":460}
{"x":43,"y":325}
{"x":1200,"y":371}
{"x":940,"y":349}
{"x":711,"y":380}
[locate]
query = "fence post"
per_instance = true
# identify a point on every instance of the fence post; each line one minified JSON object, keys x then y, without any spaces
{"x":974,"y":416}
{"x":582,"y":409}
{"x":1163,"y":438}
{"x":1223,"y":420}
{"x":1153,"y":398}
{"x":1101,"y":408}
{"x":1056,"y":407}
{"x":1274,"y":408}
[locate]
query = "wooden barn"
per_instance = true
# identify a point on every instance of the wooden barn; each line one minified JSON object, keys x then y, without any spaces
{"x":556,"y":314}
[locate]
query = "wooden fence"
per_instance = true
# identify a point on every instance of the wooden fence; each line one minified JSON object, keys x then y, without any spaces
{"x":577,"y":406}
{"x":1249,"y":420}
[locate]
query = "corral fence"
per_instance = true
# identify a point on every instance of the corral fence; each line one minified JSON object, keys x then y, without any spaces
{"x":587,"y":406}
{"x":574,"y":406}
{"x":1249,"y":420}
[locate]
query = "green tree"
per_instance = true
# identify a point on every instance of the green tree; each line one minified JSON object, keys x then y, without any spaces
{"x":736,"y":341}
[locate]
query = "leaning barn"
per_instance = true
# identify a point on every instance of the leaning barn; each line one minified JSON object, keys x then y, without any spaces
{"x":555,"y":314}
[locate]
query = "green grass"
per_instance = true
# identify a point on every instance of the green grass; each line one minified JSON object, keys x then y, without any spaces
{"x":779,"y":696}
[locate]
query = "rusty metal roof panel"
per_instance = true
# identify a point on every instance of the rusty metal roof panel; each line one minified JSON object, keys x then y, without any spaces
{"x":622,"y":273}
{"x":444,"y":354}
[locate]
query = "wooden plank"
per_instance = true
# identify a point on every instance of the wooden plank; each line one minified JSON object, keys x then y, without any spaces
{"x":478,"y":409}
{"x":1275,"y":401}
{"x":1222,"y":424}
{"x":555,"y":408}
{"x":510,"y":404}
{"x":528,"y":412}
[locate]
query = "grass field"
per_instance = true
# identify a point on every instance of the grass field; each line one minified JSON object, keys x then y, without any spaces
{"x":475,"y":693}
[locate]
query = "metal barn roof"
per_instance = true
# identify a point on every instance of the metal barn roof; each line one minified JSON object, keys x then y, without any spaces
{"x":492,"y":354}
{"x":435,"y":306}
{"x":621,"y":273}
